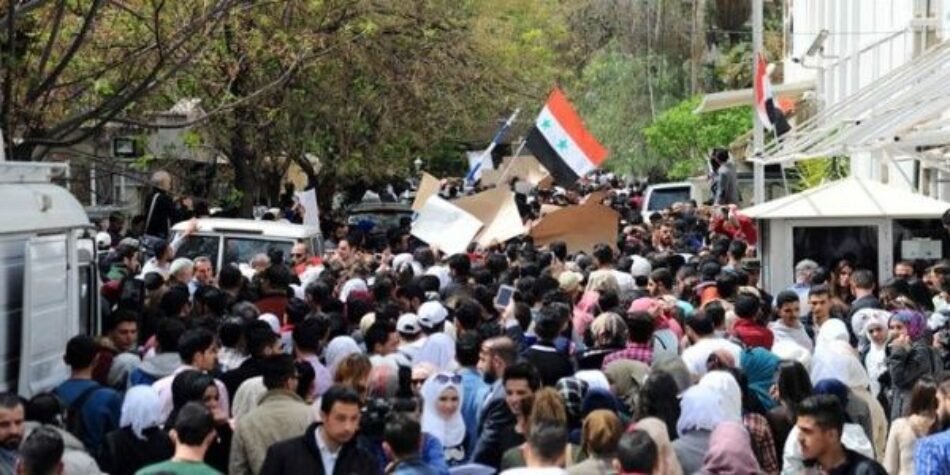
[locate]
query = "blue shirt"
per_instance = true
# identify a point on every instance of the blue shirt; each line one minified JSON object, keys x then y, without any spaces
{"x":99,"y":414}
{"x":474,"y":392}
{"x":932,"y":454}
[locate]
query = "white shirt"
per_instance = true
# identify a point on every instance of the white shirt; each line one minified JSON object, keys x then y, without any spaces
{"x":326,"y":456}
{"x":696,"y":355}
{"x":624,"y":280}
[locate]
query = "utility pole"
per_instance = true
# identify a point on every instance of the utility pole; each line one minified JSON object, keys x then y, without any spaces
{"x":758,"y":132}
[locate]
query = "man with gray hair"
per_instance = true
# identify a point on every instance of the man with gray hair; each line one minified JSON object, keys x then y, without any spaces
{"x":803,"y":272}
{"x":159,"y":208}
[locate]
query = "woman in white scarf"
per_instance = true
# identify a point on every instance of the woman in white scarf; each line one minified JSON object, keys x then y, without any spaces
{"x":338,"y":349}
{"x":442,"y":415}
{"x":141,"y":409}
{"x":439,"y":351}
{"x":702,"y":409}
{"x":872,"y":323}
{"x":836,"y":359}
{"x":730,"y":395}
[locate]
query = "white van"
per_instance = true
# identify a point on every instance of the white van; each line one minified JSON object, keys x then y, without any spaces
{"x":660,"y":196}
{"x":230,"y":241}
{"x":48,"y":283}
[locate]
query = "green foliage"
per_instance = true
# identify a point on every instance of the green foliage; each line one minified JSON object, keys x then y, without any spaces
{"x":617,"y":95}
{"x":681,"y":140}
{"x":816,"y":171}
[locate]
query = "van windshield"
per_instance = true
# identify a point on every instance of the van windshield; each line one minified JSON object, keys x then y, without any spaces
{"x":665,"y":197}
{"x":241,"y":250}
{"x":195,"y":246}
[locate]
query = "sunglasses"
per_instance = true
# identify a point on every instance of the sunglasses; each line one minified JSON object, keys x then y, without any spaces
{"x":444,"y":378}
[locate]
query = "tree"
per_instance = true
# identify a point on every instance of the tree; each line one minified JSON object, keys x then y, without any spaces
{"x":682,"y":140}
{"x":71,"y":66}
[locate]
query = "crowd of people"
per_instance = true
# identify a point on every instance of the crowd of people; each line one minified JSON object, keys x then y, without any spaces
{"x":659,"y":353}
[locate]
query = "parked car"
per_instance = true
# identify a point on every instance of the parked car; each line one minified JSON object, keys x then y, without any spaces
{"x":228,"y":241}
{"x":660,"y":196}
{"x":378,"y":216}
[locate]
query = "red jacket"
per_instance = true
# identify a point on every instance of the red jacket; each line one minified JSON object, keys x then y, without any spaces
{"x":745,"y":232}
{"x":752,"y":334}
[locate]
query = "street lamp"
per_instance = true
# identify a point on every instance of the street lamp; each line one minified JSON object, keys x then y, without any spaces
{"x":418,"y":163}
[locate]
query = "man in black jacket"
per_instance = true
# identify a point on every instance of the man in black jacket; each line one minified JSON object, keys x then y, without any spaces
{"x":331,"y":442}
{"x":160,"y":210}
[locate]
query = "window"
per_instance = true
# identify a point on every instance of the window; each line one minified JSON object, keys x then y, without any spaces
{"x":237,"y":250}
{"x":919,"y":231}
{"x":194,"y":246}
{"x":828,"y":244}
{"x":665,"y":197}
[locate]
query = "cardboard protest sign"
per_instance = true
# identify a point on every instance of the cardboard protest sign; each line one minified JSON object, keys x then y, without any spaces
{"x":596,"y":197}
{"x":491,"y":177}
{"x":548,"y":209}
{"x":525,"y":167}
{"x":497,"y":209}
{"x":581,"y":227}
{"x":427,"y":187}
{"x":444,"y":225}
{"x":308,"y":201}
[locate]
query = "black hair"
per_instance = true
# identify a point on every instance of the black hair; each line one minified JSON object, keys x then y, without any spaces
{"x":467,"y":348}
{"x":81,"y":351}
{"x":188,"y":386}
{"x":214,"y":299}
{"x":338,"y":394}
{"x":637,"y":452}
{"x":726,"y":284}
{"x":278,"y":369}
{"x":383,"y":289}
{"x":793,"y":383}
{"x":41,"y":452}
{"x":737,"y":249}
{"x":559,"y":249}
{"x":640,"y":326}
{"x":230,"y":332}
{"x":193,"y":424}
{"x":403,"y":435}
{"x":121,"y":315}
{"x":663,"y":277}
{"x":174,"y":300}
{"x":709,"y":269}
{"x":863,"y":279}
{"x":785,"y":297}
{"x":717,"y":313}
{"x":820,"y":289}
{"x":523,"y":371}
{"x":603,"y":253}
{"x":377,"y":334}
{"x":319,"y":292}
{"x":701,"y":323}
{"x":547,"y":441}
{"x":167,"y":333}
{"x":230,"y":277}
{"x":45,"y":408}
{"x":309,"y":334}
{"x":460,"y":265}
{"x":468,"y":314}
{"x":296,"y":310}
{"x":258,"y":336}
{"x":826,"y":409}
{"x":657,"y":399}
{"x":153,"y":281}
{"x":549,"y":323}
{"x":747,"y":306}
{"x":305,"y":377}
{"x":193,"y":342}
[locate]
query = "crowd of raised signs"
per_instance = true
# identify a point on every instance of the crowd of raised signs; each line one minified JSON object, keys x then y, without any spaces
{"x":657,"y":353}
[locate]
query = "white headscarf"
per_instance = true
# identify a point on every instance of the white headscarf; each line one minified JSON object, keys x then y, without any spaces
{"x":730,"y":395}
{"x":700,"y":410}
{"x":451,"y":431}
{"x":838,"y":360}
{"x":352,"y":285}
{"x":438,"y":350}
{"x":272,"y":321}
{"x":141,"y":409}
{"x":338,"y":349}
{"x":832,"y":330}
{"x":875,"y":359}
{"x":861,"y":318}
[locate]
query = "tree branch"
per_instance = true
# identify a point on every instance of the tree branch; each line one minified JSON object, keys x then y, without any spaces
{"x":17,"y":11}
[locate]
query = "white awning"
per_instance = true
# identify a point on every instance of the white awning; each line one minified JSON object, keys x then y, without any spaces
{"x":743,"y":97}
{"x":882,"y":114}
{"x":851,"y":197}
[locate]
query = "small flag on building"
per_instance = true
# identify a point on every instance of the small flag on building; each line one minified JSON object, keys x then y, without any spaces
{"x":766,"y":106}
{"x":561,"y":143}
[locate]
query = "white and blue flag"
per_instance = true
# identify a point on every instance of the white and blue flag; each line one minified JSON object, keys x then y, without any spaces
{"x":479,"y":161}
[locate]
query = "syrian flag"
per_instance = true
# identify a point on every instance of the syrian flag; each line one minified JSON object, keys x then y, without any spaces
{"x":561,"y":143}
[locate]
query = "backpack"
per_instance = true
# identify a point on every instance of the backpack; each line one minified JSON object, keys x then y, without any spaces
{"x":72,"y":413}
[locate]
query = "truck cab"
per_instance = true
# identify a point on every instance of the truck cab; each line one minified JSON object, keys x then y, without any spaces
{"x":48,"y":282}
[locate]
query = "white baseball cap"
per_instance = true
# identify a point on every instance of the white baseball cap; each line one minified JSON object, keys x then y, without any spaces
{"x":408,"y":323}
{"x":431,"y":314}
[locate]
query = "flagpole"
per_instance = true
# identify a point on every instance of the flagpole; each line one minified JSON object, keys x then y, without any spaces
{"x":758,"y":132}
{"x":504,"y":173}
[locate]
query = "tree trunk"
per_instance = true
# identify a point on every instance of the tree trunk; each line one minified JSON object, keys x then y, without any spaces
{"x":698,"y":46}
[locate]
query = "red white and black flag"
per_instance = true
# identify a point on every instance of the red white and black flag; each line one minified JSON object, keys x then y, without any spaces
{"x":562,"y":144}
{"x":765,"y":103}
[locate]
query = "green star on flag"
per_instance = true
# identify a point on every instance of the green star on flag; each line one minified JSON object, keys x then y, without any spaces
{"x":546,"y":124}
{"x":562,"y":144}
